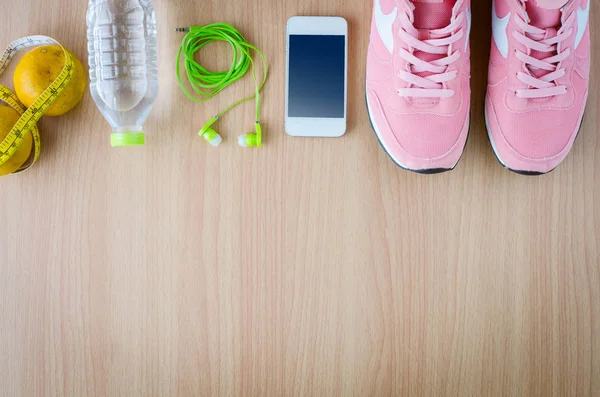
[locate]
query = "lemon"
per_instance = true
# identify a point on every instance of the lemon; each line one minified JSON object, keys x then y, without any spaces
{"x":38,"y":69}
{"x":8,"y":118}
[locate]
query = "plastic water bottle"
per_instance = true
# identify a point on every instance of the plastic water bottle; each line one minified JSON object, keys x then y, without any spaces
{"x":123,"y":65}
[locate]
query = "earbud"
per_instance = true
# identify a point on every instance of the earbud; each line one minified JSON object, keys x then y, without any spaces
{"x":246,"y":140}
{"x":209,"y":134}
{"x":251,"y":140}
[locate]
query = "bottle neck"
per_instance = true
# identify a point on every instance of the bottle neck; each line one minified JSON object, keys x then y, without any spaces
{"x":128,"y":130}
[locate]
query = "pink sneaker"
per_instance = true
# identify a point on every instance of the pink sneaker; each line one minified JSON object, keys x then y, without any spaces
{"x":538,"y":81}
{"x":418,"y":82}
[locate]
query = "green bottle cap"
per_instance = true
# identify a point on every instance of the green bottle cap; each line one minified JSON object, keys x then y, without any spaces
{"x":127,"y":139}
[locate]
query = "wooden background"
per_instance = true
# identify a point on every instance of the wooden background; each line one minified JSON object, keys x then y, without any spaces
{"x":306,"y":268}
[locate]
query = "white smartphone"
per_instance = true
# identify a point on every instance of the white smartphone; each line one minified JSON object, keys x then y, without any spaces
{"x":316,"y":88}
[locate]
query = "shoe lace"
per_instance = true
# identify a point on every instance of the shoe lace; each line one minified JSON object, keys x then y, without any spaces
{"x":434,"y":74}
{"x":533,"y":38}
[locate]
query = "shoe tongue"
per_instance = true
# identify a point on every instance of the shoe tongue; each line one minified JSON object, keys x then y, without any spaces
{"x":430,"y":15}
{"x":550,"y":4}
{"x":544,"y":14}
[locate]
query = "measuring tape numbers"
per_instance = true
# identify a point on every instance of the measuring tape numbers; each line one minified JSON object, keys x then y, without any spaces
{"x":27,"y":124}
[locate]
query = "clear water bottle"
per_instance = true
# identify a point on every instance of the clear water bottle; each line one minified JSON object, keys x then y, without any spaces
{"x":123,"y":65}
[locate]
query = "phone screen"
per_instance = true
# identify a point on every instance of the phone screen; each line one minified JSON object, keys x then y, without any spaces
{"x":317,"y":69}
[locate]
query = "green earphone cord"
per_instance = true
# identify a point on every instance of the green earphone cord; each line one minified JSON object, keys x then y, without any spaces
{"x":208,"y":84}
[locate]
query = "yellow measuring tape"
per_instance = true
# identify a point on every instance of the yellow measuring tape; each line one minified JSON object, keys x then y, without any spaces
{"x":27,"y":124}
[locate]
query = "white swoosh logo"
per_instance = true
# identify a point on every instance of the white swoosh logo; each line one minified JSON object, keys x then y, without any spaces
{"x":583,"y":16}
{"x":384,"y":23}
{"x":499,"y":30}
{"x":468,"y":29}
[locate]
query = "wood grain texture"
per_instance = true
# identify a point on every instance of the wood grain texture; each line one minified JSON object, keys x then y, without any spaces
{"x":306,"y":268}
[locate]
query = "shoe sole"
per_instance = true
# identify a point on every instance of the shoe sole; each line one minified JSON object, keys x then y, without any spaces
{"x":519,"y":172}
{"x":431,"y":171}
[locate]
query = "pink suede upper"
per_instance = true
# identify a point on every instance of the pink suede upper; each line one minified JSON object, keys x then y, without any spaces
{"x":536,"y":134}
{"x":419,"y":133}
